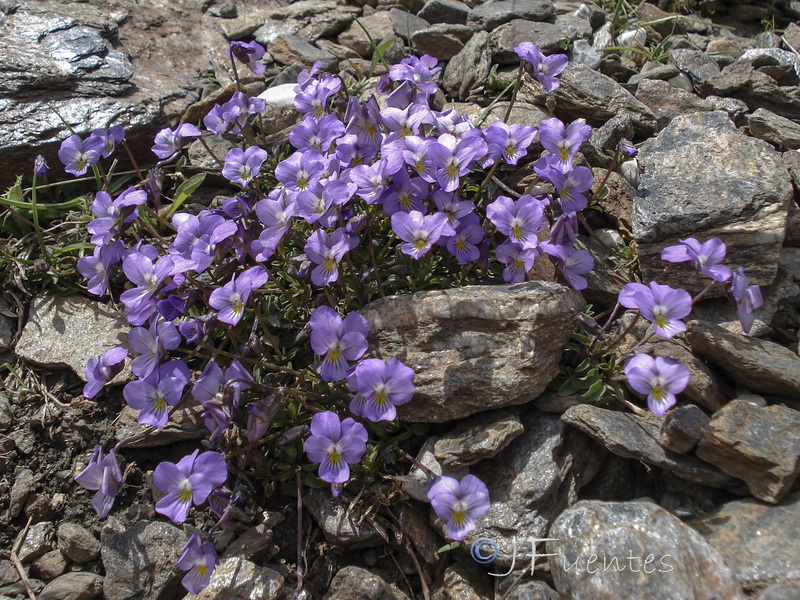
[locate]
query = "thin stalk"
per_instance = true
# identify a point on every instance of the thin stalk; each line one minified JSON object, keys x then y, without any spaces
{"x":211,"y":152}
{"x":300,"y":569}
{"x":133,"y":160}
{"x":36,"y":227}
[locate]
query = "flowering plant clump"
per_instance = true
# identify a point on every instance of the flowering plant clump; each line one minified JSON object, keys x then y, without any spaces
{"x":248,"y":308}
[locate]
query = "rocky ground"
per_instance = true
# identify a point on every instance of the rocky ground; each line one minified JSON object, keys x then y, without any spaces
{"x":700,"y":504}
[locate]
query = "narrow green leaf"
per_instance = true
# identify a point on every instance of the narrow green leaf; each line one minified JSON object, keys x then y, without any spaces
{"x":183,"y":192}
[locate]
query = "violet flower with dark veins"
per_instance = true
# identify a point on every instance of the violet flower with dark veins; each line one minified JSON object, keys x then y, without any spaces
{"x":248,"y":53}
{"x":339,"y":341}
{"x":335,"y":445}
{"x":706,"y":257}
{"x":102,"y":369}
{"x":153,"y":394}
{"x":657,"y":378}
{"x":79,"y":155}
{"x":460,"y":504}
{"x":104,"y":476}
{"x":188,"y":482}
{"x":231,"y":298}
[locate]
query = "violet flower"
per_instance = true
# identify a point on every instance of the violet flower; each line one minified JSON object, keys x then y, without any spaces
{"x":460,"y":504}
{"x":659,"y":304}
{"x":337,"y":340}
{"x":153,"y":394}
{"x":231,"y":298}
{"x":95,"y":268}
{"x":454,"y":158}
{"x":220,"y":393}
{"x":188,"y":482}
{"x":659,"y":379}
{"x":544,"y":68}
{"x":312,"y":99}
{"x":102,"y":369}
{"x":464,"y":244}
{"x":405,"y":194}
{"x":572,"y":263}
{"x":112,"y":214}
{"x":79,"y":155}
{"x":335,"y":445}
{"x":259,"y":417}
{"x":745,"y":297}
{"x":199,"y":237}
{"x":109,"y":138}
{"x":521,"y":221}
{"x":248,"y":53}
{"x":319,"y":135}
{"x":420,"y":231}
{"x":299,"y":170}
{"x":40,"y":166}
{"x":151,"y":344}
{"x":326,"y":251}
{"x":147,"y":277}
{"x":104,"y":476}
{"x":509,"y":141}
{"x":563,"y":141}
{"x":199,"y":559}
{"x":571,"y":187}
{"x":518,"y":260}
{"x":383,"y":386}
{"x":168,"y":142}
{"x":706,"y":257}
{"x":418,"y":72}
{"x":241,"y":166}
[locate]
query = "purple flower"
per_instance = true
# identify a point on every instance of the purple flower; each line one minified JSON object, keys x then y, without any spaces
{"x":188,"y":482}
{"x":418,"y":72}
{"x":509,"y":141}
{"x":40,"y":165}
{"x":454,"y":158}
{"x":100,"y":370}
{"x":319,"y":135}
{"x":241,"y":166}
{"x":405,"y":194}
{"x":460,"y":504}
{"x":518,"y":260}
{"x":299,"y":170}
{"x":200,"y":237}
{"x":151,"y":345}
{"x":220,"y":394}
{"x":200,"y":559}
{"x":371,"y":180}
{"x":417,"y":156}
{"x":337,"y":340}
{"x":521,"y":221}
{"x":113,"y":214}
{"x":464,"y":244}
{"x":420,"y":232}
{"x":154,"y":393}
{"x":326,"y":251}
{"x":315,"y":203}
{"x":572,"y":263}
{"x":230,"y":299}
{"x":95,"y":268}
{"x":109,"y":139}
{"x":563,"y":141}
{"x":104,"y":476}
{"x":660,"y":379}
{"x":705,"y":257}
{"x":383,"y":386}
{"x":565,"y":229}
{"x":745,"y":297}
{"x":659,"y":304}
{"x":570,"y":187}
{"x":168,"y":142}
{"x":78,"y":155}
{"x":544,"y":68}
{"x":627,"y":149}
{"x":364,"y":122}
{"x":335,"y":445}
{"x":248,"y":53}
{"x":259,"y":417}
{"x":454,"y":207}
{"x":147,"y":277}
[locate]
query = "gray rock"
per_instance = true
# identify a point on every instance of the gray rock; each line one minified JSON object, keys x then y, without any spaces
{"x":759,"y":365}
{"x":340,"y":525}
{"x":603,"y":37}
{"x":682,"y":82}
{"x":784,"y":58}
{"x":8,"y":324}
{"x":474,"y":348}
{"x":50,"y":565}
{"x":6,"y":413}
{"x":415,"y":519}
{"x":577,"y":26}
{"x":288,"y":49}
{"x":140,"y":561}
{"x":355,"y":583}
{"x":531,"y":590}
{"x":491,"y":15}
{"x":652,"y":70}
{"x":683,"y":428}
{"x":667,"y":102}
{"x":250,"y":544}
{"x":531,"y":482}
{"x":478,"y":438}
{"x":405,"y":24}
{"x":39,"y":540}
{"x":78,"y":543}
{"x":186,"y":423}
{"x":379,"y":25}
{"x":789,"y":590}
{"x":774,"y":129}
{"x":759,"y":542}
{"x":467,"y":71}
{"x":593,"y":96}
{"x":416,"y":483}
{"x":8,"y":573}
{"x":442,"y":40}
{"x":73,"y":586}
{"x":465,"y":581}
{"x":272,"y":30}
{"x":760,"y":445}
{"x":697,"y":65}
{"x":444,"y":11}
{"x":23,"y":486}
{"x":239,"y":579}
{"x":69,"y":330}
{"x":631,"y":436}
{"x":736,"y":109}
{"x":549,"y":38}
{"x":612,"y":550}
{"x":732,"y":187}
{"x":583,"y":53}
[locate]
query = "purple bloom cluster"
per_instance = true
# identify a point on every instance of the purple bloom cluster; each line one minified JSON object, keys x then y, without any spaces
{"x":78,"y":156}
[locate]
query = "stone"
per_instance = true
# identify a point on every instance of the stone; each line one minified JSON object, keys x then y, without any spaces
{"x":731,"y":186}
{"x":239,"y":579}
{"x":531,"y":590}
{"x":789,"y":590}
{"x":697,"y":65}
{"x":69,"y":330}
{"x":379,"y":25}
{"x":467,"y":71}
{"x":405,"y":24}
{"x":767,"y":56}
{"x":760,"y":445}
{"x":340,"y":525}
{"x":583,"y":53}
{"x":474,"y":348}
{"x":760,"y":365}
{"x":492,"y":14}
{"x":253,"y":542}
{"x":50,"y":565}
{"x":185,"y":423}
{"x":288,"y":49}
{"x":78,"y":543}
{"x":6,"y":413}
{"x":652,"y":70}
{"x":683,"y":428}
{"x":73,"y":586}
{"x":478,"y":438}
{"x":442,"y":40}
{"x":416,"y":527}
{"x":38,"y":541}
{"x":758,"y":541}
{"x":584,"y":93}
{"x":444,"y":11}
{"x":8,"y":324}
{"x":339,"y":51}
{"x":531,"y":482}
{"x":355,"y":583}
{"x":416,"y":483}
{"x":272,"y":30}
{"x":578,"y":27}
{"x":632,"y":436}
{"x":23,"y":486}
{"x":774,"y":129}
{"x":549,"y":38}
{"x":463,"y":581}
{"x":140,"y":561}
{"x":667,"y":102}
{"x":612,"y":550}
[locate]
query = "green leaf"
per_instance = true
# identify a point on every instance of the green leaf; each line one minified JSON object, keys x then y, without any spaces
{"x":71,"y":247}
{"x":448,"y":547}
{"x":595,"y":392}
{"x":183,"y":192}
